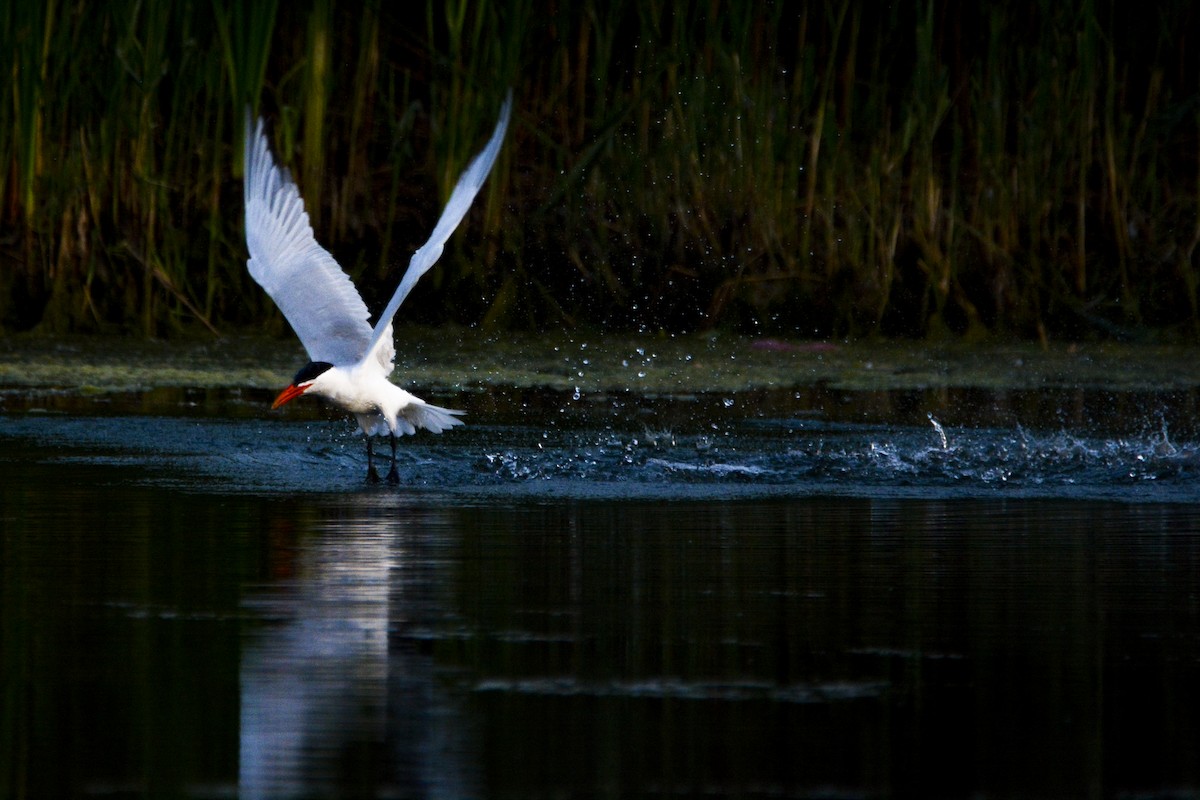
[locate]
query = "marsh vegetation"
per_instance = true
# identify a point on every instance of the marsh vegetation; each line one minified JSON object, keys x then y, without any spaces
{"x":816,"y":169}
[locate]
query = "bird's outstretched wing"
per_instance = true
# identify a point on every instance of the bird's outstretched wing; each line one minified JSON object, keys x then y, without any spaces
{"x":456,"y":208}
{"x":312,"y":291}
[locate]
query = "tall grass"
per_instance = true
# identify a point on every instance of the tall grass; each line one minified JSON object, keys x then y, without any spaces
{"x":819,"y":168}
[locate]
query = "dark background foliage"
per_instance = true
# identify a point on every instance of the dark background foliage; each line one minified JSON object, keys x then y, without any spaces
{"x":807,"y":168}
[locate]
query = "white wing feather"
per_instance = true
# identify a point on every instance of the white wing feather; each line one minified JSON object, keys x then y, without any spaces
{"x":456,"y":208}
{"x":304,"y":280}
{"x":315,"y":295}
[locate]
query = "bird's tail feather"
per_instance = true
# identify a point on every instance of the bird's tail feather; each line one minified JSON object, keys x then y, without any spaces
{"x":430,"y":417}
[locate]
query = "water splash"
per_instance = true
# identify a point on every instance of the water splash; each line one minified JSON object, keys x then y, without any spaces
{"x":858,"y":460}
{"x":631,"y":455}
{"x":941,"y":432}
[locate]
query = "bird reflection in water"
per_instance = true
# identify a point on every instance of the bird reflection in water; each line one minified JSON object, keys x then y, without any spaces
{"x":335,"y":695}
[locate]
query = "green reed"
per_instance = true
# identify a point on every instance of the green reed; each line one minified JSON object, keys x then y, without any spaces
{"x":821,"y":168}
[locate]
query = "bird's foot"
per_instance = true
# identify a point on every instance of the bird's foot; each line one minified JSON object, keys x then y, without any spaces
{"x":372,"y":475}
{"x":393,"y":477}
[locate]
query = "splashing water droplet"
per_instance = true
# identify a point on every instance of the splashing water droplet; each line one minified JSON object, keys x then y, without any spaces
{"x":941,"y":432}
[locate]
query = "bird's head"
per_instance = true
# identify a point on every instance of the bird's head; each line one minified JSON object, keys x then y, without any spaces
{"x":305,"y":379}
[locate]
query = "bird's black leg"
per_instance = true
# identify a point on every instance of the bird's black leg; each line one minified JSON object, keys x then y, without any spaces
{"x":393,"y":477}
{"x":372,"y":475}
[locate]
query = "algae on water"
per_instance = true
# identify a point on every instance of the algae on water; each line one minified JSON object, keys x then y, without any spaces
{"x":457,"y":359}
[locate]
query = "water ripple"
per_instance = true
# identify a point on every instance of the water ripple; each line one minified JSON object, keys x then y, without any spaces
{"x":680,"y":689}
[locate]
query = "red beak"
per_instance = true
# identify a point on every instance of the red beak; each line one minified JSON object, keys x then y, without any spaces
{"x":290,"y":393}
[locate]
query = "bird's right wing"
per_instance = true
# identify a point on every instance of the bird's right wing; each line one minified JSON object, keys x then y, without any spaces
{"x":456,"y":208}
{"x":312,"y":291}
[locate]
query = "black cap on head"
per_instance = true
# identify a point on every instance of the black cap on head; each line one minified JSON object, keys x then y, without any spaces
{"x":310,"y":371}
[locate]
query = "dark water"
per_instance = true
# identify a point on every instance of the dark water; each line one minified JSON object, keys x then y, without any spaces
{"x":712,"y":596}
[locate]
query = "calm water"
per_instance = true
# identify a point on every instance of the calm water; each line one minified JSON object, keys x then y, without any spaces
{"x":746,"y":596}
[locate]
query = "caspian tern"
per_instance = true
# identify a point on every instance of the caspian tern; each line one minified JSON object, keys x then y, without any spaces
{"x":350,"y":360}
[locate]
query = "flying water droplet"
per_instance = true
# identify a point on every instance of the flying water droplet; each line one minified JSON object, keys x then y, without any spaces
{"x":941,"y":432}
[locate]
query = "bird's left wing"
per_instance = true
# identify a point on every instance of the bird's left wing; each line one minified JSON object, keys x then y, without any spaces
{"x":312,"y":291}
{"x":456,"y":208}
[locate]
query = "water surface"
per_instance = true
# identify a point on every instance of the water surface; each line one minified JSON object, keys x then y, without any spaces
{"x":780,"y":592}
